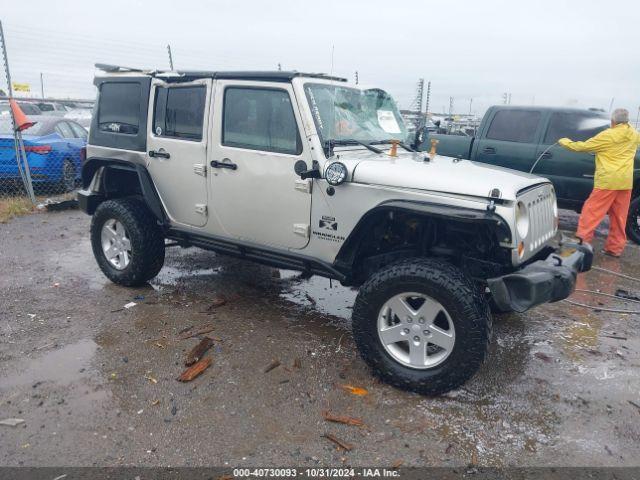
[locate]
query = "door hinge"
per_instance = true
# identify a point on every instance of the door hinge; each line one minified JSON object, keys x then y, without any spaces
{"x":301,"y":229}
{"x":304,"y":186}
{"x":200,"y":169}
{"x":201,"y":208}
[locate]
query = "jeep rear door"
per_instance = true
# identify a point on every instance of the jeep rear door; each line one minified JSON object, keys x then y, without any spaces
{"x":177,"y":148}
{"x":255,"y":192}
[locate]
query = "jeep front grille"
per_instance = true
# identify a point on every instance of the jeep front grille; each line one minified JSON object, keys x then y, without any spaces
{"x":540,"y":202}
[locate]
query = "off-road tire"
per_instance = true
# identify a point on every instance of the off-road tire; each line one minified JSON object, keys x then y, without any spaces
{"x":466,"y":306}
{"x":633,"y":229}
{"x":147,"y":241}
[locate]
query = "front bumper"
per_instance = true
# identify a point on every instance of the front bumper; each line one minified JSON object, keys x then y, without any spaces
{"x":542,"y":281}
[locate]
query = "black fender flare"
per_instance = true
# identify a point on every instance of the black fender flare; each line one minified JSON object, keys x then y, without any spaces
{"x":345,"y":257}
{"x":149,"y":192}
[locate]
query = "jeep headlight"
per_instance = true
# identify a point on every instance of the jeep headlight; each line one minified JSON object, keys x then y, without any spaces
{"x":336,"y":173}
{"x":522,"y":220}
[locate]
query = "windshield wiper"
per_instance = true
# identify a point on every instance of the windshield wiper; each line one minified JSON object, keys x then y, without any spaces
{"x":403,"y":145}
{"x":350,"y":141}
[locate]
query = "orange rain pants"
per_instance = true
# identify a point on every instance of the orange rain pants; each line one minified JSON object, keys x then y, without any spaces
{"x":600,"y":203}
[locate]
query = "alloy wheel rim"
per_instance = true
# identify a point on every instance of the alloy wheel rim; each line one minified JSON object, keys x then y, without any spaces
{"x":116,"y":244}
{"x":416,"y":330}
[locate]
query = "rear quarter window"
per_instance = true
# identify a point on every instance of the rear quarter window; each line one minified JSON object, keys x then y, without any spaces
{"x":514,"y":126}
{"x":119,"y":108}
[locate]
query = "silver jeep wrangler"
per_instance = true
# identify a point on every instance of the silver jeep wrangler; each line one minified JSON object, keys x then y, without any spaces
{"x":306,"y":172}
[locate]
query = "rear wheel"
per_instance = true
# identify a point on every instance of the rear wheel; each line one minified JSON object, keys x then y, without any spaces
{"x":633,"y":221}
{"x":127,"y":242}
{"x":422,"y":326}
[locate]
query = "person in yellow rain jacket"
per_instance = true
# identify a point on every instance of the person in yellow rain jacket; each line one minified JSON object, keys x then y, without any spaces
{"x":615,"y":149}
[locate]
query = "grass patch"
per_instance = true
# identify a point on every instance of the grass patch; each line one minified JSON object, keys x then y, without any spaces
{"x":14,"y":207}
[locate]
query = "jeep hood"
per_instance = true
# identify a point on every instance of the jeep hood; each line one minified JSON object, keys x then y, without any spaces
{"x":442,"y":174}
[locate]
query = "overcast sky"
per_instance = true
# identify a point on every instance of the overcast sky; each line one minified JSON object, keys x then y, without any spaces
{"x":581,"y":53}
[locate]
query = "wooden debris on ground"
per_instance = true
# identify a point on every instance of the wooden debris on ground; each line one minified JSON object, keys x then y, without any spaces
{"x":340,"y":443}
{"x":198,"y":351}
{"x":634,"y":404}
{"x":543,"y":356}
{"x":344,"y":419}
{"x":201,"y":331}
{"x":274,"y":364}
{"x":195,"y":370}
{"x":361,"y":392}
{"x":185,"y":329}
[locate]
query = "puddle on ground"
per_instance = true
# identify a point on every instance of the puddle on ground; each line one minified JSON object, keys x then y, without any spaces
{"x":61,"y":366}
{"x":327,"y":297}
{"x":171,"y":276}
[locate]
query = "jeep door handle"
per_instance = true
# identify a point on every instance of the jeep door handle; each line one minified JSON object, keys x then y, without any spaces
{"x":546,"y":155}
{"x":489,"y":150}
{"x":225,"y":163}
{"x":159,"y":153}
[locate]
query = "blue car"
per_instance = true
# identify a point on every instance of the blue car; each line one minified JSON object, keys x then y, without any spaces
{"x":55,"y":148}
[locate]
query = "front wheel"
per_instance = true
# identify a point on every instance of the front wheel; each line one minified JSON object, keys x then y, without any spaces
{"x":422,"y":326}
{"x":633,"y":221}
{"x":127,"y":242}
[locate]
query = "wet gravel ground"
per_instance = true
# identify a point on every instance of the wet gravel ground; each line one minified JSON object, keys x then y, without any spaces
{"x":96,"y":382}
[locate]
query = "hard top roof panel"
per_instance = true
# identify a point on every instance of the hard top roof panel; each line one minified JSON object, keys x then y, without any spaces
{"x":182,"y":75}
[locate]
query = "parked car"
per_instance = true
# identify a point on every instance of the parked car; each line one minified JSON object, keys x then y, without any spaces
{"x":523,"y":138}
{"x":310,"y":173}
{"x":26,"y":107}
{"x":52,"y":108}
{"x":81,"y":116}
{"x":55,"y":149}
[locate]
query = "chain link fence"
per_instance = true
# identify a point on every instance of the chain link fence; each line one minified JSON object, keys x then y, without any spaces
{"x":46,"y":155}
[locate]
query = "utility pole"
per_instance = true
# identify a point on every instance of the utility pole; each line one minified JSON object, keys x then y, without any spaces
{"x":509,"y":99}
{"x":356,"y":77}
{"x":470,"y":104}
{"x":170,"y":57}
{"x":611,"y":104}
{"x":333,"y":47}
{"x":505,"y":97}
{"x":638,"y":118}
{"x":450,"y":106}
{"x":279,"y":67}
{"x":41,"y":85}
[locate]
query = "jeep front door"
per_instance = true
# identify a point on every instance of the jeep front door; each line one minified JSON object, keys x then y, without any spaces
{"x":177,"y":148}
{"x":255,"y":192}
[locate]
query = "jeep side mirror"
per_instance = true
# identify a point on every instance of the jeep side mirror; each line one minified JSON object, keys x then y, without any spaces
{"x":313,"y":173}
{"x":300,"y":168}
{"x":420,"y":138}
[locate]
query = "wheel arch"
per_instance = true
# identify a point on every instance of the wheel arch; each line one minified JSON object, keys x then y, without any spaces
{"x":348,"y":254}
{"x":115,"y":179}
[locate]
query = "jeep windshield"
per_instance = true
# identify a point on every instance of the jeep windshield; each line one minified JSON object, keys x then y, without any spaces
{"x":352,"y":116}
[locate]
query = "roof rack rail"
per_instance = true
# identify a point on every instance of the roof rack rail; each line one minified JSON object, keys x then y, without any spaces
{"x":105,"y":67}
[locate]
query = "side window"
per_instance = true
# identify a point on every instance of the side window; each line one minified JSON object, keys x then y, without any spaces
{"x":78,"y":131}
{"x":119,"y":108}
{"x":514,"y":126}
{"x":575,"y":125}
{"x":64,"y":130}
{"x":179,"y":112}
{"x":260,"y":119}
